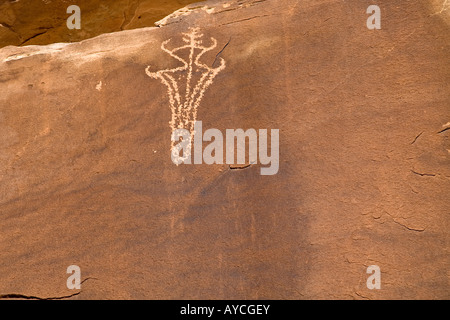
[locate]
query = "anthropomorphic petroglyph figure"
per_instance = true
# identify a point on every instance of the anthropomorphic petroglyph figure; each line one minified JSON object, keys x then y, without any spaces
{"x":186,"y":84}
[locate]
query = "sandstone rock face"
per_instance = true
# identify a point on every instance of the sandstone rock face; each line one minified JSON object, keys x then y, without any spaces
{"x":41,"y":22}
{"x":86,"y":176}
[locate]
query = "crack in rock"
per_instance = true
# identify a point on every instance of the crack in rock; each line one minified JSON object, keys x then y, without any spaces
{"x":424,"y":174}
{"x":25,"y":297}
{"x":417,"y":137}
{"x":443,"y":130}
{"x":243,"y":167}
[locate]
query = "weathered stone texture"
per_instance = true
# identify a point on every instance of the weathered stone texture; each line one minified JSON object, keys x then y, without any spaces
{"x":86,"y":176}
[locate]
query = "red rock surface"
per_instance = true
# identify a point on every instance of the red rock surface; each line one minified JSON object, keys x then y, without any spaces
{"x":86,"y":176}
{"x":37,"y":22}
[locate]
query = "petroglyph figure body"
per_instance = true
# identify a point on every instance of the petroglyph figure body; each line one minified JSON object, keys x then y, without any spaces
{"x":186,"y":84}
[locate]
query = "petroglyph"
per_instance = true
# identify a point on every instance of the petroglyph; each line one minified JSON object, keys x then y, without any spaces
{"x":186,"y":84}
